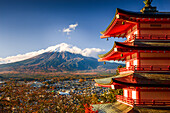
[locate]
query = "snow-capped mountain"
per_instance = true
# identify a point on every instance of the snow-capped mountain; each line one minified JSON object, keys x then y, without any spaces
{"x":57,"y":61}
{"x":88,"y":52}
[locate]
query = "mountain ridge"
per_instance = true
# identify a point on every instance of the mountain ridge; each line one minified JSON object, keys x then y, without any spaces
{"x":57,"y":61}
{"x":92,"y":52}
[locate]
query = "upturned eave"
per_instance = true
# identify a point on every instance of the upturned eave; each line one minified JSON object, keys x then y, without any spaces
{"x":122,"y":49}
{"x":116,"y":28}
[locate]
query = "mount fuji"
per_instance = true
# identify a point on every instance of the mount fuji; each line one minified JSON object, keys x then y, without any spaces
{"x":89,"y":52}
{"x":62,"y":57}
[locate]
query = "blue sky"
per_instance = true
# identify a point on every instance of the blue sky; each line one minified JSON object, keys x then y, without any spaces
{"x":31,"y":25}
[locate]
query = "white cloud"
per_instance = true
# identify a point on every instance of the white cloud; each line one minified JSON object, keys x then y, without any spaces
{"x":89,"y":52}
{"x":92,"y":52}
{"x":71,"y":28}
{"x":120,"y":62}
{"x":67,"y":31}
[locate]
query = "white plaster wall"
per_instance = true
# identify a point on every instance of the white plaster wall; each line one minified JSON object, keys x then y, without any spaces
{"x":133,"y":94}
{"x":125,"y":93}
{"x":127,"y":64}
{"x":135,"y":62}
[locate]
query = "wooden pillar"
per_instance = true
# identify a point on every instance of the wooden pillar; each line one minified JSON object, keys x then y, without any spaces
{"x":138,"y":61}
{"x":131,"y":61}
{"x":138,"y":95}
{"x":138,"y":30}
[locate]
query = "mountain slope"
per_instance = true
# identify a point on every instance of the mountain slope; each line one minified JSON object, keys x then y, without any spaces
{"x":57,"y":61}
{"x":89,"y":52}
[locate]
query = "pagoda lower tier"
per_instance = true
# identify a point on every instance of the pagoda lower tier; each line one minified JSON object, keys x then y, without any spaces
{"x":141,"y":56}
{"x":140,"y":89}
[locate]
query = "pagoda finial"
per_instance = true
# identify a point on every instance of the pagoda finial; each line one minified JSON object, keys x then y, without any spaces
{"x":147,"y":3}
{"x":148,"y":8}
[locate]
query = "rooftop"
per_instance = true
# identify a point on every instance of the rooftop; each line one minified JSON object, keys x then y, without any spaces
{"x":116,"y":107}
{"x":137,"y":79}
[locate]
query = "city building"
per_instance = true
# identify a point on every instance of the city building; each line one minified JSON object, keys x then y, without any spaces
{"x":146,"y":78}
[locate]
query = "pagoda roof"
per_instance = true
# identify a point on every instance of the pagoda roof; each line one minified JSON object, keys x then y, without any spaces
{"x":108,"y":81}
{"x":145,"y":45}
{"x":145,"y":15}
{"x":137,"y":80}
{"x":112,"y":51}
{"x":127,"y":48}
{"x":117,"y":29}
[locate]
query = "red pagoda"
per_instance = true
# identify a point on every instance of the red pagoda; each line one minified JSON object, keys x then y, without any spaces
{"x":146,"y":78}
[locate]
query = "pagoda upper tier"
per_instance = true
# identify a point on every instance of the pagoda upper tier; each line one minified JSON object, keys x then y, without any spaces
{"x":125,"y":22}
{"x":147,"y":44}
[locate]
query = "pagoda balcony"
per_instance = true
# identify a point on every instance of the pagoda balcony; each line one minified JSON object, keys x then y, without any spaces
{"x":142,"y":102}
{"x":145,"y":68}
{"x":150,"y":37}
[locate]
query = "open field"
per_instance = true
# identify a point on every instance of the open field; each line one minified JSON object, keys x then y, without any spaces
{"x":54,"y":75}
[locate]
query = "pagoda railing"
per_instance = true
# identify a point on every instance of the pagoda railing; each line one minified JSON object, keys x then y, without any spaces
{"x":130,"y":101}
{"x":146,"y":68}
{"x":125,"y":99}
{"x":131,"y":68}
{"x":150,"y":37}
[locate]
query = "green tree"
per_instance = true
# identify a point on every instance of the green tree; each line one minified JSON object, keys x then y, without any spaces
{"x":94,"y":98}
{"x":117,"y":71}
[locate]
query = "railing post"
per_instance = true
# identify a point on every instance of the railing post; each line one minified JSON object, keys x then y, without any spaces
{"x":150,"y":36}
{"x":139,"y":101}
{"x":134,"y":37}
{"x":133,"y":68}
{"x":129,"y":68}
{"x":151,"y":67}
{"x":133,"y":103}
{"x":153,"y":102}
{"x":143,"y":69}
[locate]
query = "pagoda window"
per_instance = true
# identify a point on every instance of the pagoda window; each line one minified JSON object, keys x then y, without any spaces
{"x":149,"y":94}
{"x":155,"y":63}
{"x":155,"y":25}
{"x":134,"y":28}
{"x":144,"y":25}
{"x":155,"y":32}
{"x":128,"y":57}
{"x":134,"y":55}
{"x":129,"y":31}
{"x":154,"y":55}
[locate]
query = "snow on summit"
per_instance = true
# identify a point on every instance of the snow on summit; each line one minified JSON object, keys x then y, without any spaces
{"x":89,"y":52}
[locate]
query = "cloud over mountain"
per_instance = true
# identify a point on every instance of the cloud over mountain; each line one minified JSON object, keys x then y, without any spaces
{"x":71,"y":28}
{"x":90,"y":52}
